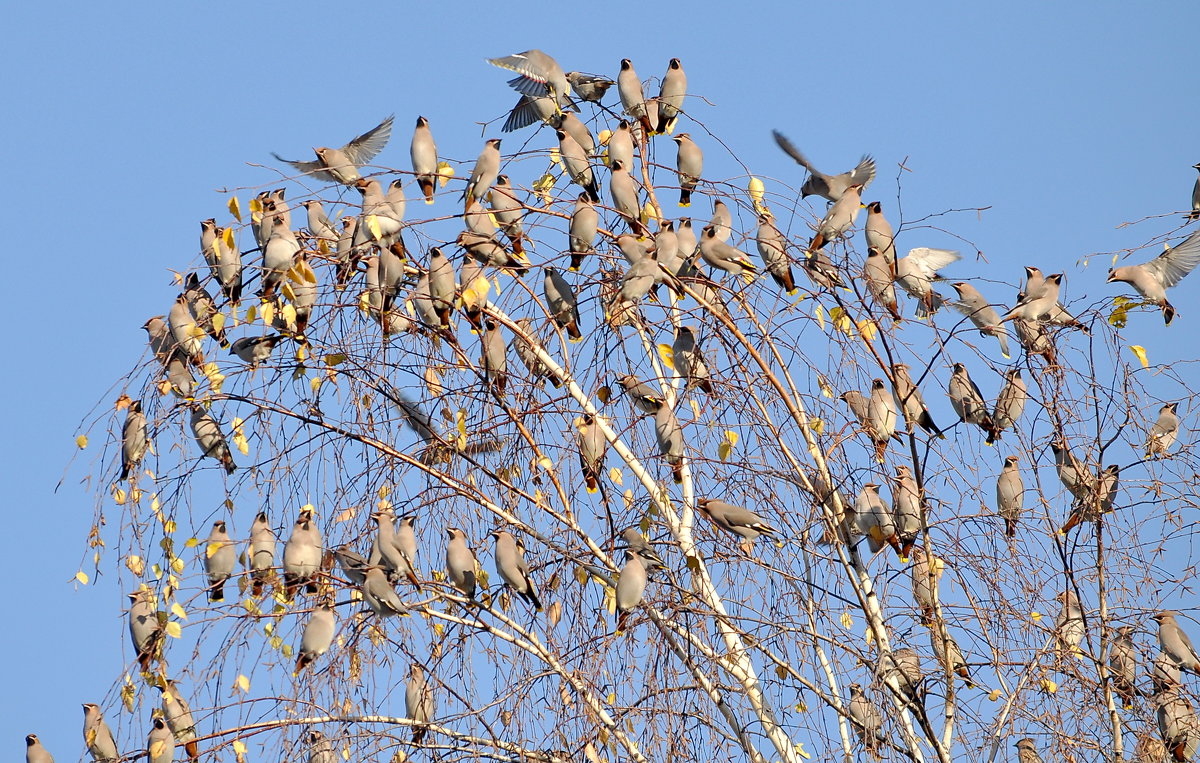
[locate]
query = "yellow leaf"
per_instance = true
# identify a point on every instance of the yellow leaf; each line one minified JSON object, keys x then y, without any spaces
{"x":335,"y":359}
{"x":227,"y":234}
{"x":1049,"y":686}
{"x":178,"y":611}
{"x":444,"y":173}
{"x":218,"y":322}
{"x":174,"y":629}
{"x":128,"y":692}
{"x":346,"y":514}
{"x":616,"y":475}
{"x":315,"y":383}
{"x":816,"y":425}
{"x":235,"y":208}
{"x":373,"y":227}
{"x":847,"y":620}
{"x":135,"y":564}
{"x":867,"y":328}
{"x":546,"y":463}
{"x":667,"y":354}
{"x":1140,"y":352}
{"x":723,"y":450}
{"x":649,"y":212}
{"x":267,"y":312}
{"x":82,"y":577}
{"x":81,"y":441}
{"x":1036,"y":616}
{"x":288,"y":293}
{"x":288,"y":312}
{"x":243,"y":683}
{"x":757,"y":190}
{"x":177,"y":564}
{"x":581,"y":576}
{"x":556,"y":157}
{"x":212,"y":548}
{"x":819,"y":315}
{"x":731,"y":437}
{"x":826,"y":390}
{"x":799,"y":748}
{"x":604,"y":136}
{"x":118,"y":496}
{"x":239,"y":746}
{"x":841,"y":321}
{"x":251,"y":313}
{"x":781,"y":672}
{"x":994,"y":695}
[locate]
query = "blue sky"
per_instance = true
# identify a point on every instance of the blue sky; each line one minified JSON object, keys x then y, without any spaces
{"x":1064,"y":119}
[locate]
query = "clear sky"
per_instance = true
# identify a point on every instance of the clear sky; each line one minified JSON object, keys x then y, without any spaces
{"x":123,"y":120}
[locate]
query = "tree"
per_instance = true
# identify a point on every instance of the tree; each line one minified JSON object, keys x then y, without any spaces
{"x":378,"y":393}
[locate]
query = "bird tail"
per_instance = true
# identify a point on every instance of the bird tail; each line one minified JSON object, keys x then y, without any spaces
{"x":216,"y":592}
{"x":192,"y":749}
{"x":425,"y":182}
{"x":685,"y":197}
{"x":1168,"y":311}
{"x":677,"y":471}
{"x":1010,"y":528}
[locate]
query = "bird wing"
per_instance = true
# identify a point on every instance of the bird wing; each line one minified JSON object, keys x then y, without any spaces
{"x":1172,"y":265}
{"x":864,"y":173}
{"x":364,"y":148}
{"x":523,"y":114}
{"x":534,"y":79}
{"x":928,"y":261}
{"x":794,"y":152}
{"x":309,"y":168}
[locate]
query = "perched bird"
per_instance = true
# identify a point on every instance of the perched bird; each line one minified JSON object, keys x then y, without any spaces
{"x":341,"y":165}
{"x":1035,"y":339}
{"x":35,"y":752}
{"x":317,"y":637}
{"x":160,"y":744}
{"x":161,"y":339}
{"x":737,"y":520}
{"x":346,"y":254}
{"x":875,"y":520}
{"x":261,"y":554}
{"x":620,"y":146}
{"x":689,"y":163}
{"x":882,"y":415}
{"x":484,"y":173}
{"x":1069,"y":626}
{"x":1158,"y":442}
{"x":512,"y":567}
{"x":722,"y":256}
{"x":1010,"y":403}
{"x":387,"y":552}
{"x":418,"y":701}
{"x":144,"y":628}
{"x":1039,"y":301}
{"x":187,"y":334}
{"x":631,"y":587}
{"x":671,"y":95}
{"x":857,"y":402}
{"x":178,"y":715}
{"x":926,"y":571}
{"x":721,"y":221}
{"x":916,"y":272}
{"x":319,"y":224}
{"x":379,"y":595}
{"x":279,"y":252}
{"x":572,"y":125}
{"x":589,"y":87}
{"x":423,"y":152}
{"x":378,"y":225}
{"x":1177,"y":724}
{"x":1070,"y":470}
{"x":1164,"y":673}
{"x":866,"y":719}
{"x":560,"y":301}
{"x":220,"y":556}
{"x":772,"y":248}
{"x":879,"y":234}
{"x":255,"y":350}
{"x":637,"y":543}
{"x":97,"y":736}
{"x":948,"y":652}
{"x":623,"y":190}
{"x":633,"y":97}
{"x":641,"y":278}
{"x":967,"y":401}
{"x":689,"y":360}
{"x":540,"y":75}
{"x":1175,"y":642}
{"x":134,"y":439}
{"x":1152,"y":279}
{"x":494,"y":359}
{"x":460,"y":562}
{"x":508,"y":211}
{"x":592,"y":447}
{"x":908,"y":507}
{"x":1027,"y":751}
{"x":666,"y":247}
{"x":832,"y":187}
{"x":223,"y":258}
{"x":821,"y":270}
{"x":354,"y":565}
{"x":1097,"y":497}
{"x":1010,"y":495}
{"x":302,"y":555}
{"x":1123,"y":665}
{"x":642,"y":396}
{"x":320,"y":749}
{"x":881,"y":282}
{"x":976,"y":307}
{"x":670,"y":440}
{"x":579,"y":168}
{"x":405,"y":539}
{"x":582,"y":230}
{"x":209,"y":437}
{"x":912,"y":404}
{"x":900,"y":670}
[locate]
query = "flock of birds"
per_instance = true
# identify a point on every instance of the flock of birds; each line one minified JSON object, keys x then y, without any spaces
{"x":370,"y":246}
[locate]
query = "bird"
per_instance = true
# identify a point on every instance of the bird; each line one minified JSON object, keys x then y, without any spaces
{"x":908,"y":507}
{"x":261,"y":556}
{"x":967,"y":401}
{"x":821,"y":270}
{"x":671,"y":96}
{"x":623,"y":190}
{"x":631,"y":587}
{"x":1123,"y":665}
{"x":881,"y":282}
{"x":620,"y":146}
{"x":633,"y":97}
{"x":1010,"y":491}
{"x":875,"y":520}
{"x":484,"y":173}
{"x":670,"y":440}
{"x":187,"y":334}
{"x":642,"y":396}
{"x":1175,"y":643}
{"x":689,"y":163}
{"x":531,"y":110}
{"x":207,"y":433}
{"x":134,"y":439}
{"x":721,"y":221}
{"x":1152,"y":279}
{"x":220,"y":556}
{"x":494,"y":358}
{"x":1027,"y":751}
{"x":666,"y":247}
{"x":1070,"y":470}
{"x":689,"y":361}
{"x":317,"y":637}
{"x":378,"y":593}
{"x":879,"y":234}
{"x":255,"y":350}
{"x":561,"y":303}
{"x":405,"y":539}
{"x":354,"y":565}
{"x":160,"y":743}
{"x":637,"y":543}
{"x":579,"y":168}
{"x":866,"y":720}
{"x":900,"y":669}
{"x":460,"y":562}
{"x":145,"y":631}
{"x":524,"y":349}
{"x":512,"y":567}
{"x":975,"y":306}
{"x":508,"y":211}
{"x":1096,"y":498}
{"x":223,"y":257}
{"x":380,"y":224}
{"x":926,"y":571}
{"x":581,"y":231}
{"x":418,"y":701}
{"x":178,"y":716}
{"x":279,"y":252}
{"x":302,"y":555}
{"x":572,"y":125}
{"x":916,"y":272}
{"x":35,"y":752}
{"x":319,"y":225}
{"x":1177,"y":724}
{"x":1160,"y":439}
{"x":386,"y":552}
{"x":592,"y":446}
{"x":737,"y":520}
{"x":912,"y":404}
{"x":882,"y":415}
{"x":948,"y":652}
{"x":1039,"y":302}
{"x":423,"y":153}
{"x":722,"y":256}
{"x":589,"y":87}
{"x":1069,"y":626}
{"x":341,"y":165}
{"x":1010,"y":403}
{"x":320,"y":749}
{"x":772,"y":248}
{"x":97,"y":736}
{"x":832,"y":187}
{"x":540,"y":75}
